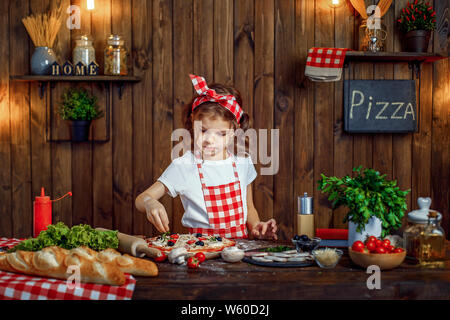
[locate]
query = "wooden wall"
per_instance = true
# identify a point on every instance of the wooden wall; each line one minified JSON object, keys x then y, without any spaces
{"x":261,"y":47}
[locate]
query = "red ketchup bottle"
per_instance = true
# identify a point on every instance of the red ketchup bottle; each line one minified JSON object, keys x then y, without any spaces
{"x":42,"y":212}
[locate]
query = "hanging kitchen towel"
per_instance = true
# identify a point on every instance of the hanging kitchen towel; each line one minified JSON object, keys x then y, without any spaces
{"x":325,"y":64}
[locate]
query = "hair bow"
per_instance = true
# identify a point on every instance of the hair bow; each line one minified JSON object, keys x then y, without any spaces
{"x":206,"y":94}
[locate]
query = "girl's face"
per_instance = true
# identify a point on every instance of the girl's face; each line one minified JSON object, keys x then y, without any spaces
{"x":212,"y":137}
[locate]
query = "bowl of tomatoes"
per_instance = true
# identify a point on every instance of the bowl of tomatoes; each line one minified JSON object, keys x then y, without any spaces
{"x":378,"y":252}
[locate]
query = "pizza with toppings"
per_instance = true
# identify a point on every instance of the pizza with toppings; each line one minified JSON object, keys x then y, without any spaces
{"x":166,"y":242}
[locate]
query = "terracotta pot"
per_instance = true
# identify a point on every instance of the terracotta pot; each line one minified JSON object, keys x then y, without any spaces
{"x":417,"y":40}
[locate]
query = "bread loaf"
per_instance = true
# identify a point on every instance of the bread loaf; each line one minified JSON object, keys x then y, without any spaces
{"x":105,"y":267}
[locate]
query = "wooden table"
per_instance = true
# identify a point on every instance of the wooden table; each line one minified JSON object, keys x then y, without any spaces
{"x":218,"y":280}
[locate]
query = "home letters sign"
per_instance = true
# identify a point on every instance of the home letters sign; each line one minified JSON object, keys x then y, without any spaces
{"x":372,"y":106}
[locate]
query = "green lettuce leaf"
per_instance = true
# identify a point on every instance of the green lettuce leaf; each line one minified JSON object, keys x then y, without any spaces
{"x":68,"y":238}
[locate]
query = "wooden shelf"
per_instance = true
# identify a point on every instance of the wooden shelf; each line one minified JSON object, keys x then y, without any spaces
{"x":75,"y":78}
{"x":44,"y":80}
{"x":364,"y":56}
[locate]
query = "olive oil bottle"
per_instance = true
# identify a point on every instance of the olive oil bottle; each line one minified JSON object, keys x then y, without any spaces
{"x":431,"y":243}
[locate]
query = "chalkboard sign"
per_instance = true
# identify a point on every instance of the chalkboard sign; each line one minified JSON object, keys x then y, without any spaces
{"x":373,"y":106}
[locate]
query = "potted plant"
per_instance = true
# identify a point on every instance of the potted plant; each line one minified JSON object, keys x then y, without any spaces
{"x":376,"y":205}
{"x":417,"y":20}
{"x":79,"y":107}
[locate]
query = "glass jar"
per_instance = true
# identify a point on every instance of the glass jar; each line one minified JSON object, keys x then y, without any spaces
{"x":83,"y":51}
{"x":431,"y":251}
{"x":373,"y":37}
{"x":116,"y":56}
{"x":418,"y":237}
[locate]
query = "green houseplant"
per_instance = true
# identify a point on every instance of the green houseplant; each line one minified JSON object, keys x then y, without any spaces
{"x":417,"y":20}
{"x":367,"y":195}
{"x":79,"y":107}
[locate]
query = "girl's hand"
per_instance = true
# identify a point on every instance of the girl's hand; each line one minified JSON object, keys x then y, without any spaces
{"x":156,"y":214}
{"x":265,"y":230}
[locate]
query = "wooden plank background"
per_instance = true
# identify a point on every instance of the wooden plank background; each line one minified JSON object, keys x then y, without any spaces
{"x":260,"y":46}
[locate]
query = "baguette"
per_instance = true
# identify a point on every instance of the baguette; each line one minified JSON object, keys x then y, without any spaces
{"x":105,"y":267}
{"x":53,"y":262}
{"x":128,"y":263}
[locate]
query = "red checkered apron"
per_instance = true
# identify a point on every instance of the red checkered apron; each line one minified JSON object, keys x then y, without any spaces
{"x":224,"y":207}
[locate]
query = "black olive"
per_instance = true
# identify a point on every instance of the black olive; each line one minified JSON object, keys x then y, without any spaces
{"x":198,"y":235}
{"x":296,"y":237}
{"x":200,"y":243}
{"x":170,"y":243}
{"x":304,"y":237}
{"x":218,"y":238}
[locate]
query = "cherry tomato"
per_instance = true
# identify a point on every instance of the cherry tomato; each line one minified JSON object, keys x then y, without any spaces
{"x":200,"y":256}
{"x":193,"y":263}
{"x":161,"y":257}
{"x":398,"y":250}
{"x":390,"y":249}
{"x":386,"y":243}
{"x":380,"y":250}
{"x":191,"y":242}
{"x":358,"y":246}
{"x":174,"y":236}
{"x":371,"y":246}
{"x":378,"y":243}
{"x":370,"y":239}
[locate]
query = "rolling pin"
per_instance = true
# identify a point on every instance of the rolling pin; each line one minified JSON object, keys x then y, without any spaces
{"x":135,"y":246}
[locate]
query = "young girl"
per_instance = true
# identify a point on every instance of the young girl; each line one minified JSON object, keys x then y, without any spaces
{"x":214,"y":185}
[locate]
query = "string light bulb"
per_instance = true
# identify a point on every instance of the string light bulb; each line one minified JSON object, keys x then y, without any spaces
{"x":90,"y":5}
{"x":335,"y":3}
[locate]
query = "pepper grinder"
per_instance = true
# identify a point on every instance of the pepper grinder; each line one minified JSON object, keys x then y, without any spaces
{"x":305,"y":216}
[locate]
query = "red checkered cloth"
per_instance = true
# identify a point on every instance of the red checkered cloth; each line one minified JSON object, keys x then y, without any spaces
{"x":23,"y":287}
{"x":325,"y":64}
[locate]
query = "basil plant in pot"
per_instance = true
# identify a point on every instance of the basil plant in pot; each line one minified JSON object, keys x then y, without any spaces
{"x":417,"y":20}
{"x":376,"y":205}
{"x":79,"y":107}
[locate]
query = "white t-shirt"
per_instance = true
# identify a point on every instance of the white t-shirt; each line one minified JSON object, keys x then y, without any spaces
{"x":181,"y":178}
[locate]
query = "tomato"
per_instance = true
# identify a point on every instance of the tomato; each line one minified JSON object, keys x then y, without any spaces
{"x":398,"y":250}
{"x":200,"y":256}
{"x":161,"y":257}
{"x":378,"y":243}
{"x":390,"y":249}
{"x":358,"y":246}
{"x":370,"y":239}
{"x":386,"y":243}
{"x":191,"y":241}
{"x":380,"y":250}
{"x":193,"y":263}
{"x":371,"y":246}
{"x":174,"y":236}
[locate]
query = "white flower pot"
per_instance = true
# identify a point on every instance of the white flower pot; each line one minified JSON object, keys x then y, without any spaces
{"x":372,"y":228}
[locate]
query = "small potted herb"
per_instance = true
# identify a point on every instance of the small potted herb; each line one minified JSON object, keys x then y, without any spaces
{"x":376,"y":205}
{"x":417,"y":20}
{"x":79,"y":107}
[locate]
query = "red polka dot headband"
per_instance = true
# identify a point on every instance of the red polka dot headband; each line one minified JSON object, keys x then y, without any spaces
{"x":206,"y":94}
